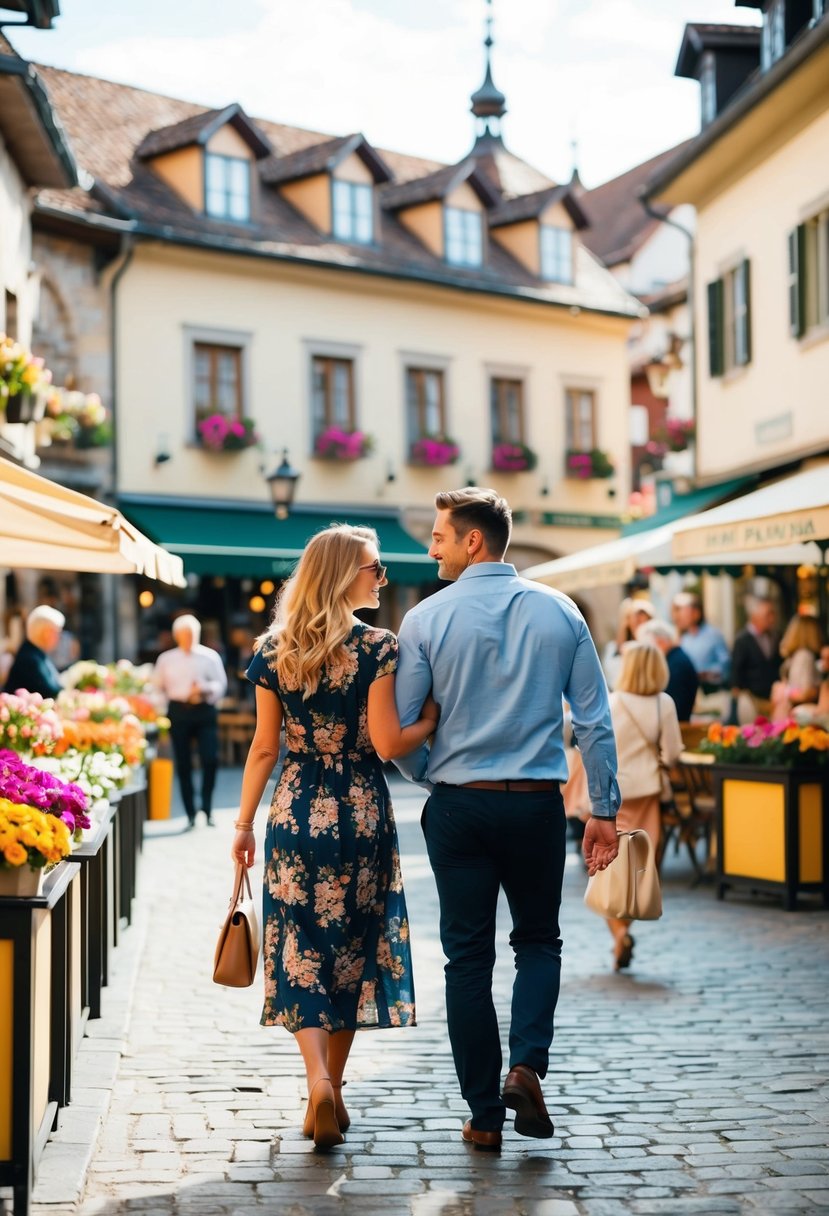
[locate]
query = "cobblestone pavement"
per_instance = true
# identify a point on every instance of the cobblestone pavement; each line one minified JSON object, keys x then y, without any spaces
{"x":698,"y":1082}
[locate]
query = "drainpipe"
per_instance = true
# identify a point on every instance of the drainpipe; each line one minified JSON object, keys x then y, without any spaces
{"x":126,"y":259}
{"x":692,"y":337}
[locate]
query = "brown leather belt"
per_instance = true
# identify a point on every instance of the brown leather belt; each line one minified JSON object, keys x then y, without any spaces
{"x":514,"y":787}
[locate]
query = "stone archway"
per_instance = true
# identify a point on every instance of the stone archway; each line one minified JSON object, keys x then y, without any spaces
{"x":53,"y":335}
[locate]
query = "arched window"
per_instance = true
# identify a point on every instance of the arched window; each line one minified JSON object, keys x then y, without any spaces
{"x":53,"y":336}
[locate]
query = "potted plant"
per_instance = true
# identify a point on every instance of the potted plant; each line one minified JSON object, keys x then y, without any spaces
{"x":336,"y":444}
{"x":77,"y":418}
{"x":23,"y":382}
{"x":512,"y":457}
{"x":218,"y":433}
{"x":29,"y":840}
{"x":676,"y":434}
{"x":585,"y":465}
{"x":434,"y":451}
{"x":771,"y":780}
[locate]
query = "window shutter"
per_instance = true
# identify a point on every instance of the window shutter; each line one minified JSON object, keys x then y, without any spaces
{"x":715,"y":327}
{"x":797,"y":281}
{"x":745,"y":270}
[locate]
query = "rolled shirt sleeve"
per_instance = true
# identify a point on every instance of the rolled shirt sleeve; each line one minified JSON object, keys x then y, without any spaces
{"x":586,"y":693}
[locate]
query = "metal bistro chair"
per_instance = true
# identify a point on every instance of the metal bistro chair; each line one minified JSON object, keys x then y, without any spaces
{"x":692,"y":816}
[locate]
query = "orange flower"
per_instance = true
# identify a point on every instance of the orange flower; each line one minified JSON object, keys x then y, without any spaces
{"x":730,"y":735}
{"x":715,"y":732}
{"x":15,"y":854}
{"x":791,"y":734}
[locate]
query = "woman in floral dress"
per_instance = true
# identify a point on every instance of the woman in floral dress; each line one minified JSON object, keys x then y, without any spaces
{"x":336,"y":933}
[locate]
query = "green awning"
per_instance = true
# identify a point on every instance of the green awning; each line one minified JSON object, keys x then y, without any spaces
{"x":672,"y":506}
{"x":248,"y":542}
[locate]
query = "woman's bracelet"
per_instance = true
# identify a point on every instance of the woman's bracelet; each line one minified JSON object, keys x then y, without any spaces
{"x":243,"y":827}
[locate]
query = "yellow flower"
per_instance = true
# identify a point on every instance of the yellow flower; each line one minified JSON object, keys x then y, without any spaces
{"x":15,"y":854}
{"x":791,"y":734}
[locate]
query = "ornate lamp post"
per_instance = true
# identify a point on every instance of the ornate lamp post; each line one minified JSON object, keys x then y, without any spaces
{"x":282,"y":483}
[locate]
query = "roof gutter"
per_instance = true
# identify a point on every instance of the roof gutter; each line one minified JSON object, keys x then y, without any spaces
{"x":13,"y":65}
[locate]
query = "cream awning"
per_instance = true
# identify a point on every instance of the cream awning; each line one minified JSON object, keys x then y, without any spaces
{"x":794,"y":510}
{"x":45,"y":526}
{"x":616,"y":562}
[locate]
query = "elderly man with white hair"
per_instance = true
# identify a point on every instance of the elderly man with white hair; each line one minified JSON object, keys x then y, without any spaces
{"x":193,"y":680}
{"x":683,"y":681}
{"x":32,"y":668}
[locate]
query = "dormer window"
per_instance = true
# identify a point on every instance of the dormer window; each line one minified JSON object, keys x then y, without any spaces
{"x":353,"y":212}
{"x":227,"y":187}
{"x":556,"y":254}
{"x":463,"y":237}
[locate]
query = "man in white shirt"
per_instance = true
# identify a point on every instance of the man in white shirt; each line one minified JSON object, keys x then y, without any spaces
{"x":193,"y":680}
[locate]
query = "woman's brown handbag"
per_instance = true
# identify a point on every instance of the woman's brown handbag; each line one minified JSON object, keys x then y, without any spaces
{"x":237,"y":950}
{"x":629,"y":888}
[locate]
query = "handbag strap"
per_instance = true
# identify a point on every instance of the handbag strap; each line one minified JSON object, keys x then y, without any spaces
{"x":241,"y":878}
{"x":652,"y":743}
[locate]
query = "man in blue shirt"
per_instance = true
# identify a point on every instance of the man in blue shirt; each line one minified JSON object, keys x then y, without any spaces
{"x":500,"y":655}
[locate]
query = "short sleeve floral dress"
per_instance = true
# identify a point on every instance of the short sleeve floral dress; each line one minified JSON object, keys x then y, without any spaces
{"x":336,"y":932}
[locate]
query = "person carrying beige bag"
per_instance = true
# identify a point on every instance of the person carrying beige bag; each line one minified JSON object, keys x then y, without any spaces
{"x":647,"y":737}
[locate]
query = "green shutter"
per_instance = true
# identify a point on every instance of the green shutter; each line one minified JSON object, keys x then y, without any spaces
{"x":746,"y":273}
{"x":715,"y":328}
{"x":797,"y":281}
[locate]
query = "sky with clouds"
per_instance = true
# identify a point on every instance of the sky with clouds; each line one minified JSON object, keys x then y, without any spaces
{"x":599,"y":71}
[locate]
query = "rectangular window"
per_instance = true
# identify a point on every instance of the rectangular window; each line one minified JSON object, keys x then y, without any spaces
{"x":463,"y":237}
{"x":227,"y":187}
{"x":729,"y":320}
{"x":425,"y":403}
{"x":507,"y":406}
{"x":217,"y":380}
{"x":809,"y":274}
{"x":353,"y":212}
{"x":332,"y":394}
{"x":556,"y":254}
{"x":580,"y":420}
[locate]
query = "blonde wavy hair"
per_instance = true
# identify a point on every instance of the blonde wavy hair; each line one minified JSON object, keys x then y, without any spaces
{"x":644,"y":670}
{"x":802,"y":633}
{"x":313,"y":616}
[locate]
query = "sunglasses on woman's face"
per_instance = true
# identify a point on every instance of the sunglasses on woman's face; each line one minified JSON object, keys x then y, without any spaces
{"x":377,"y":567}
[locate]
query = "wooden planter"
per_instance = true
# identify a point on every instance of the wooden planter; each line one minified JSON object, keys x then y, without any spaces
{"x":773,"y":829}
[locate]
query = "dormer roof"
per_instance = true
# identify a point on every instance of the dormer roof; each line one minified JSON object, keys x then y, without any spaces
{"x":200,"y":128}
{"x":699,"y":37}
{"x":530,"y":207}
{"x":324,"y":158}
{"x":436,"y":186}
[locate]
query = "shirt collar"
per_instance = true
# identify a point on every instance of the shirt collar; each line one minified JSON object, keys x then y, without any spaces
{"x":480,"y":569}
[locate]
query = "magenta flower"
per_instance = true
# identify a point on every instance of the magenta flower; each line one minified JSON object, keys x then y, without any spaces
{"x":29,"y":786}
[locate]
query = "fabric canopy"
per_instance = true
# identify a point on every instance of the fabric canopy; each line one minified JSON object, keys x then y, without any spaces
{"x":618,"y":560}
{"x":234,"y":540}
{"x":792,"y":510}
{"x":45,"y":526}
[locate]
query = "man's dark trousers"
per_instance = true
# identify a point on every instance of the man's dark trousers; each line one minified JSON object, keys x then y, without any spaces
{"x":199,"y":724}
{"x":479,"y":841}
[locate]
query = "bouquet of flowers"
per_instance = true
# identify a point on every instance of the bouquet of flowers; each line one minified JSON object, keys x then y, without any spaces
{"x":20,"y":371}
{"x":125,"y":737}
{"x":768,"y":743}
{"x":92,"y":706}
{"x":25,"y":785}
{"x":28,"y":723}
{"x":113,"y":691}
{"x":585,"y":465}
{"x":513,"y":458}
{"x":31,"y":837}
{"x":222,"y":434}
{"x":79,"y":418}
{"x":336,"y":444}
{"x":96,"y":773}
{"x":435,"y":451}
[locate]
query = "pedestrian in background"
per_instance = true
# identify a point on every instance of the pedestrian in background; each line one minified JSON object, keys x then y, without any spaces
{"x":193,"y":680}
{"x":704,"y":644}
{"x":337,"y":954}
{"x":32,"y":668}
{"x":800,"y":676}
{"x":683,"y":681}
{"x":500,"y":655}
{"x":755,"y":661}
{"x":632,"y":614}
{"x":648,"y":739}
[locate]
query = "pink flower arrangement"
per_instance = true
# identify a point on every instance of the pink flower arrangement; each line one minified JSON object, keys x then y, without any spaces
{"x":336,"y":444}
{"x":586,"y":465}
{"x":222,"y":434}
{"x":25,"y":785}
{"x":512,"y":458}
{"x":764,"y":742}
{"x":28,"y":723}
{"x":434,"y":451}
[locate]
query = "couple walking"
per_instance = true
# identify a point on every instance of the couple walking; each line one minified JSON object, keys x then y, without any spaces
{"x":467,"y":701}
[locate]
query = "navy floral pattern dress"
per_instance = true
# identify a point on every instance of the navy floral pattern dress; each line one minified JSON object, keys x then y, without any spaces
{"x":336,"y":933}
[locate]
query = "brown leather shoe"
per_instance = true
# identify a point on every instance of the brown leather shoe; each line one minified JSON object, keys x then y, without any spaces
{"x":522,"y":1093}
{"x":485,"y":1142}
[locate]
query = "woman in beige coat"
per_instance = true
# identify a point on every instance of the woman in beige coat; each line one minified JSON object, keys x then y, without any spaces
{"x":647,"y":731}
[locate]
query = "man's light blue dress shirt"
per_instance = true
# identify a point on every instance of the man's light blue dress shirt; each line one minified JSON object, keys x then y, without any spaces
{"x":499,"y":655}
{"x":707,"y":650}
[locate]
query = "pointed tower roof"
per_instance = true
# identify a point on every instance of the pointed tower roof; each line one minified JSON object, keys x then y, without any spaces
{"x":489,"y":104}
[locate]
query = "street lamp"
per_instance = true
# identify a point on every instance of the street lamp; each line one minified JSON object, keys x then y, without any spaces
{"x":282,"y":482}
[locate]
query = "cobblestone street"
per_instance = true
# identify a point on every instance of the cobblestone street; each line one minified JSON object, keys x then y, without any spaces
{"x":698,"y":1082}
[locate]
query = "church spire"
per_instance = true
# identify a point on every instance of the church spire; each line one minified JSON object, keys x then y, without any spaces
{"x":489,"y":105}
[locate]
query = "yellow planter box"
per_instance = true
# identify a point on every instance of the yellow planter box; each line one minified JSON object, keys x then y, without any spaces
{"x":773,"y":830}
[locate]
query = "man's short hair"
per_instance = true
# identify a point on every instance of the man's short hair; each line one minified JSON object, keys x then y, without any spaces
{"x":43,"y":615}
{"x":188,"y":622}
{"x":689,"y":599}
{"x":475,"y":507}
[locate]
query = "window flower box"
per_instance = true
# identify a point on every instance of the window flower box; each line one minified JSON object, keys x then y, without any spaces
{"x":336,"y":444}
{"x":586,"y":465}
{"x":220,"y":434}
{"x":76,"y":418}
{"x":675,"y":435}
{"x":513,"y":458}
{"x":23,"y":383}
{"x":434,"y":451}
